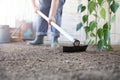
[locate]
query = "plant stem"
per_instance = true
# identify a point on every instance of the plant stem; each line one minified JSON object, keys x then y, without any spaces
{"x":109,"y":21}
{"x":96,"y":19}
{"x":87,"y":20}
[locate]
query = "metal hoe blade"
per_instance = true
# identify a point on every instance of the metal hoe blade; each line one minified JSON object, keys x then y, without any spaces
{"x":75,"y":48}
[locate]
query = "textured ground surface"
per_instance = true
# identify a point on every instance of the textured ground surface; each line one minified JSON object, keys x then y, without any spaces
{"x":19,"y":61}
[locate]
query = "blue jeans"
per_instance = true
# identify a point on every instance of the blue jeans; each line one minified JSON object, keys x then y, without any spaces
{"x":42,"y":25}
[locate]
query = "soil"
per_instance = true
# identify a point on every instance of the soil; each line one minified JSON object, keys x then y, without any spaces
{"x":19,"y":61}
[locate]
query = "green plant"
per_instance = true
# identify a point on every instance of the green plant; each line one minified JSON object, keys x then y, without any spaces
{"x":100,"y":34}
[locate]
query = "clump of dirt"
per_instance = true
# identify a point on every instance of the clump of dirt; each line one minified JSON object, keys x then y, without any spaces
{"x":19,"y":61}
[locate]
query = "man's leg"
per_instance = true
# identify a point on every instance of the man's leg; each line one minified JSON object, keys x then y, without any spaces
{"x":41,"y":28}
{"x":55,"y":34}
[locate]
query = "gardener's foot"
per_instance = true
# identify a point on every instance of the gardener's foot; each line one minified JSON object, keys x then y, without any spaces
{"x":37,"y":41}
{"x":54,"y":42}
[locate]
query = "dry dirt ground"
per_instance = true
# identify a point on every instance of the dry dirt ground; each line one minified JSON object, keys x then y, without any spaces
{"x":19,"y":61}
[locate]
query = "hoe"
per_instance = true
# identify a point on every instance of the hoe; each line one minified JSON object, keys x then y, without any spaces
{"x":76,"y":43}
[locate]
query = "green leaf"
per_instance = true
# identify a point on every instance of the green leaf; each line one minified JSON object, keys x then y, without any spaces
{"x":103,"y":13}
{"x":92,"y":34}
{"x":100,"y":2}
{"x":109,"y":47}
{"x":91,"y":6}
{"x":100,"y":33}
{"x":114,"y":7}
{"x":87,"y":29}
{"x":79,"y":26}
{"x":83,"y":8}
{"x":106,"y":31}
{"x":113,"y":18}
{"x":105,"y":43}
{"x":92,"y":25}
{"x":105,"y":26}
{"x":100,"y":45}
{"x":85,"y":18}
{"x":79,"y":7}
{"x":106,"y":35}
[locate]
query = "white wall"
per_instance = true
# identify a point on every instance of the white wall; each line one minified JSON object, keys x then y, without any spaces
{"x":10,"y":10}
{"x":115,"y":32}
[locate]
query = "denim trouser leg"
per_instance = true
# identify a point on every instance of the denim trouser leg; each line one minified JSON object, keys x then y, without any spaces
{"x":41,"y":24}
{"x":58,"y":17}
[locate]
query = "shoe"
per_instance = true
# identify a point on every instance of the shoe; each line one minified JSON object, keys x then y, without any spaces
{"x":54,"y":42}
{"x":37,"y":41}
